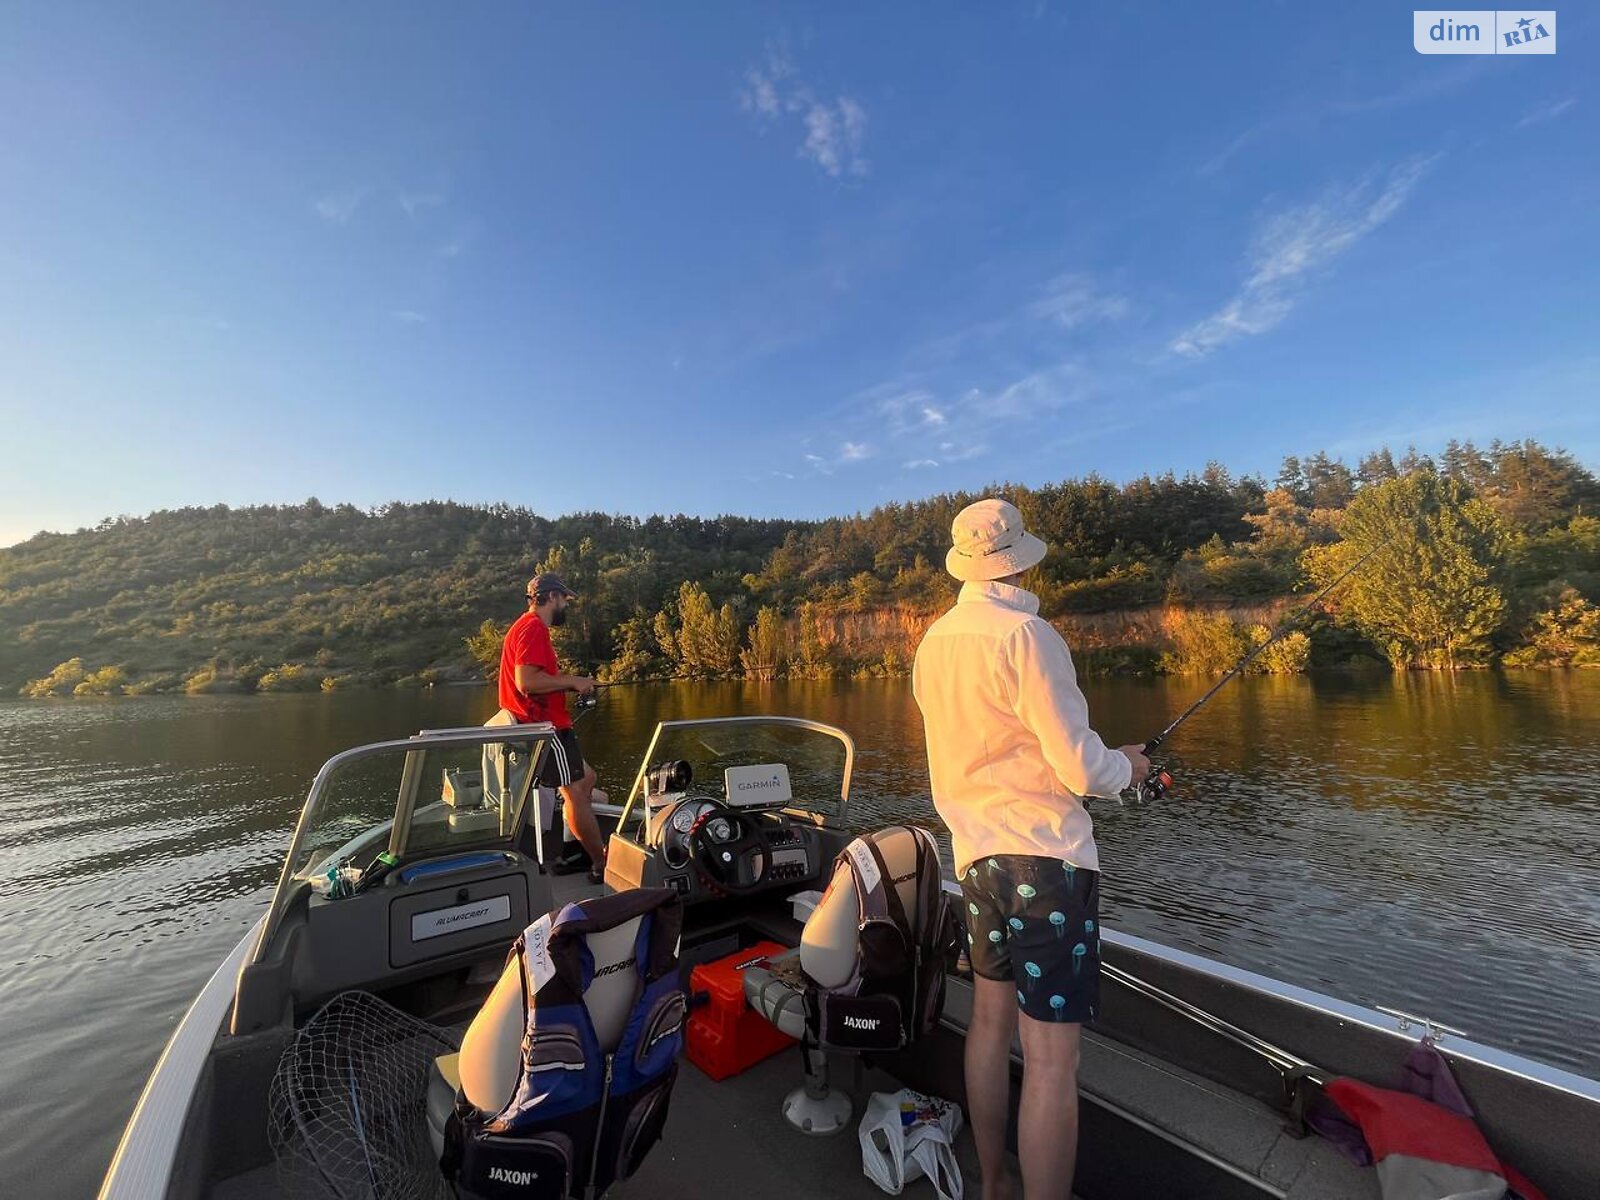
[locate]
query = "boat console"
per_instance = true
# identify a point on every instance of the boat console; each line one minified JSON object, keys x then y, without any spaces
{"x":734,"y":806}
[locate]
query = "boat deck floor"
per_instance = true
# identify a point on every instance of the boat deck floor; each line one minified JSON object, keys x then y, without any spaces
{"x":732,"y":1135}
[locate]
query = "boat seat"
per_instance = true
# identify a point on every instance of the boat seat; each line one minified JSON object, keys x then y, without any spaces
{"x":827,"y":960}
{"x":489,"y":1065}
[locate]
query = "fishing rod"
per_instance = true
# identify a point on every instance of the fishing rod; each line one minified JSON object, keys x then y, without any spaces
{"x":1159,"y":780}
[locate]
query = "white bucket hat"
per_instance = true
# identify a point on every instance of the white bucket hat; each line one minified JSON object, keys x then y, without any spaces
{"x":990,"y":543}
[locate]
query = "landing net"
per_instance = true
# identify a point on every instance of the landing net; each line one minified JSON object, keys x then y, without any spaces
{"x":347,"y":1110}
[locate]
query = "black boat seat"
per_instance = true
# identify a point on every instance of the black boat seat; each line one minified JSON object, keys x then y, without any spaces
{"x":827,"y":959}
{"x":489,"y":1065}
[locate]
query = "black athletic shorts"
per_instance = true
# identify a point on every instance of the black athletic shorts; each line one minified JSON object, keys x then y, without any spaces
{"x":1036,"y":922}
{"x":563,"y":761}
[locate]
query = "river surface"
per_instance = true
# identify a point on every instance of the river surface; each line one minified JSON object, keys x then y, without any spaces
{"x":1422,"y":842}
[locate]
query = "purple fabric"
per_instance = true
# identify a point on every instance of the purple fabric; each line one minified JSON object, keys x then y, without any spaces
{"x":1424,"y":1073}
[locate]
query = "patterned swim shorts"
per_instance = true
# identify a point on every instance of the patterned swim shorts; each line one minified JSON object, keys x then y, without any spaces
{"x":1036,"y":921}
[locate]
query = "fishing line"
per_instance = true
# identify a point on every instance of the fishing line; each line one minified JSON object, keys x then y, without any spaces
{"x":1159,"y":780}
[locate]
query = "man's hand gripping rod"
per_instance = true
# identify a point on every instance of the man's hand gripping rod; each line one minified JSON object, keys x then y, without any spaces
{"x":1159,"y":780}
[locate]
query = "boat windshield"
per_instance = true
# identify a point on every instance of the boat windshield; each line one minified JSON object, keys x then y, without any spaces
{"x":432,"y":794}
{"x":817,"y":759}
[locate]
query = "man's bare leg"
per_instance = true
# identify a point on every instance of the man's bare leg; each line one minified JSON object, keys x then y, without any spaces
{"x":994,"y":1020}
{"x":1047,"y":1123}
{"x":580,"y":815}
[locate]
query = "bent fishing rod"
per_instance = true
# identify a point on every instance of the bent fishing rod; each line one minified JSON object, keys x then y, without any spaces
{"x":1159,"y":780}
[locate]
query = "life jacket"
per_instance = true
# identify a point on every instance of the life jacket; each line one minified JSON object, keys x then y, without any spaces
{"x":895,"y":990}
{"x":582,"y":1115}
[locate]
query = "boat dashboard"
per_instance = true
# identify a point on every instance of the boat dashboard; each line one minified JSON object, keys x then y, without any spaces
{"x":733,"y":807}
{"x":706,"y":848}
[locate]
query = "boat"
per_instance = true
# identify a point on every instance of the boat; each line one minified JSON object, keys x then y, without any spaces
{"x":416,"y":863}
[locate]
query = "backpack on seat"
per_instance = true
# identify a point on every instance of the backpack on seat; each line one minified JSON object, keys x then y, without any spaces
{"x":591,"y":1062}
{"x":894,"y":991}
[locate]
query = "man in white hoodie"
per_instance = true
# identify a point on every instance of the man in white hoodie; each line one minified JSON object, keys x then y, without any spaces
{"x":1010,"y":754}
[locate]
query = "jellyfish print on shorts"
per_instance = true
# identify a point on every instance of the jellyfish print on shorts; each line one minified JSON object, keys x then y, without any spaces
{"x":1088,"y":926}
{"x":995,"y":936}
{"x":1059,"y":920}
{"x":972,"y":908}
{"x":1021,"y":999}
{"x":1078,"y":953}
{"x":1070,"y":871}
{"x":1057,"y":1003}
{"x":1027,"y":891}
{"x":1032,"y":968}
{"x":1016,"y":924}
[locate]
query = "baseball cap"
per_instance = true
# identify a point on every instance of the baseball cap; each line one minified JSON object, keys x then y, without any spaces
{"x":547,"y":584}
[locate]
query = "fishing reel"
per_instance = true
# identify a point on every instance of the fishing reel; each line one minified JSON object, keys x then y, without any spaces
{"x":1155,"y":785}
{"x":584,"y":702}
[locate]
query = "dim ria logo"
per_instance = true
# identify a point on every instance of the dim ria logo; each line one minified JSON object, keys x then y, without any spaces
{"x":1483,"y":31}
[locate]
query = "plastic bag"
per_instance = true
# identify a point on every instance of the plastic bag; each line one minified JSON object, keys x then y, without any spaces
{"x":906,"y":1135}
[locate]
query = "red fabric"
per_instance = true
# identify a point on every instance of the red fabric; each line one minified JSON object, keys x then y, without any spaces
{"x":1400,"y":1123}
{"x":1521,"y":1186}
{"x":528,"y":644}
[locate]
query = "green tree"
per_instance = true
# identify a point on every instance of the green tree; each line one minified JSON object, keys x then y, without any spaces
{"x":816,"y":657}
{"x":290,"y":677}
{"x":764,"y":656}
{"x":1289,"y":655}
{"x":107,"y":681}
{"x":1202,"y":643}
{"x":1429,"y":595}
{"x":634,"y":657}
{"x":704,"y":642}
{"x":484,"y":645}
{"x":1566,"y":634}
{"x":59,"y":682}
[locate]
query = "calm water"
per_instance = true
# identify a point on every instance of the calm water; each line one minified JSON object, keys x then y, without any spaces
{"x":1425,"y":843}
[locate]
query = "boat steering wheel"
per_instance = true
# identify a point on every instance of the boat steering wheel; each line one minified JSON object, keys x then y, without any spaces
{"x":719,"y":838}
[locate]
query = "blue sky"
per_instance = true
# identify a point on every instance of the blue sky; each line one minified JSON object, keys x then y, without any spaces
{"x":769,"y":259}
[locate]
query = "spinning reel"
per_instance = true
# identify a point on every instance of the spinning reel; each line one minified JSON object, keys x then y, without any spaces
{"x":1155,"y":785}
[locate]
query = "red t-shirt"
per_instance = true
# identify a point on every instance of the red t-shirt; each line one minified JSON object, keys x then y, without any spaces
{"x":528,"y":644}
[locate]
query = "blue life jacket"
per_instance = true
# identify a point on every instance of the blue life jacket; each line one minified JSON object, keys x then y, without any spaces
{"x":580,"y":1118}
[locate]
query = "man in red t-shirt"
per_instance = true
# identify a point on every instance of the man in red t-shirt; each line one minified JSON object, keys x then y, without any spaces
{"x":532,"y":688}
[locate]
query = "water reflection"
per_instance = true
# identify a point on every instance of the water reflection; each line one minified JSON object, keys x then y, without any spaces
{"x":1419,"y":841}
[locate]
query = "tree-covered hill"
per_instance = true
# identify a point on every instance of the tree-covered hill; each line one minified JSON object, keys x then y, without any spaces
{"x":1500,"y":549}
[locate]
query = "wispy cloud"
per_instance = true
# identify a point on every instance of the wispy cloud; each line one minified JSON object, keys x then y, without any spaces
{"x":834,"y":131}
{"x":416,"y":202}
{"x":954,"y":453}
{"x":407,"y":316}
{"x":847,"y":454}
{"x":761,"y":92}
{"x":834,"y":136}
{"x":1293,"y":245}
{"x":459,"y":244}
{"x":1072,"y":300}
{"x":854,"y":452}
{"x":1548,"y":113}
{"x":1305,"y":118}
{"x":339,"y":207}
